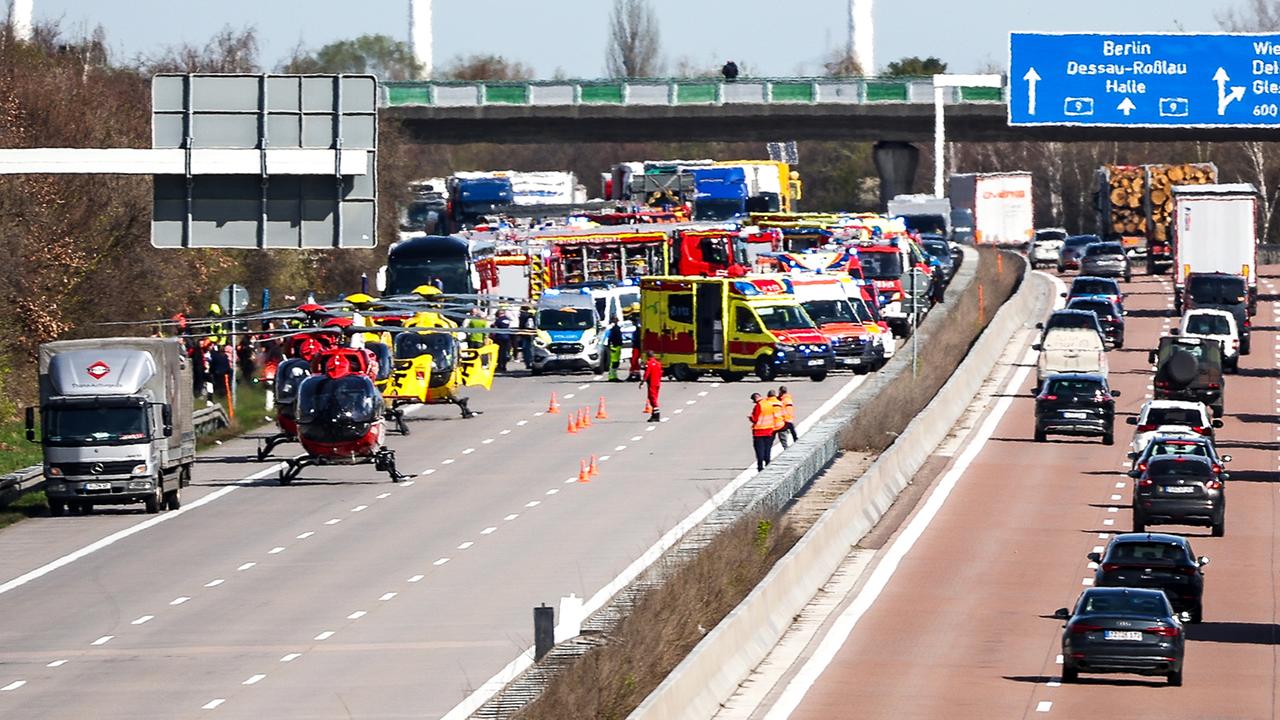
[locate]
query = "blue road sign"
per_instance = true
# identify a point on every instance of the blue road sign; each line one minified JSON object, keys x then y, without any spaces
{"x":1144,"y":80}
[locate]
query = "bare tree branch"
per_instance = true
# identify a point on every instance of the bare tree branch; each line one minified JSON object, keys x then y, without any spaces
{"x":633,"y":40}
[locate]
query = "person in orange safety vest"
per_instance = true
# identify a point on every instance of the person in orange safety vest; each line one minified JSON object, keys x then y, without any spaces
{"x":788,"y":416}
{"x":778,"y":422}
{"x":762,"y":429}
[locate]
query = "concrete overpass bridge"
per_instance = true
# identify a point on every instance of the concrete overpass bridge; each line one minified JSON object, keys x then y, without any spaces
{"x":750,"y":109}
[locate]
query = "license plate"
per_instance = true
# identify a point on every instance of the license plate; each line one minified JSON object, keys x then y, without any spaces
{"x":1122,"y":635}
{"x":565,"y":357}
{"x":842,"y":361}
{"x":97,"y":486}
{"x":1075,"y":415}
{"x":1180,"y":489}
{"x":817,"y":362}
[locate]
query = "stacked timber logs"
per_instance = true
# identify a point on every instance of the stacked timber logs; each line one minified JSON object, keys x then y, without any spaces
{"x":1141,"y":196}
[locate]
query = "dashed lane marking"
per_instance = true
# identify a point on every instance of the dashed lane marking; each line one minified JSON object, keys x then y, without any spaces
{"x":383,"y":496}
{"x":406,"y":483}
{"x":213,"y":703}
{"x":416,"y":578}
{"x":637,"y":438}
{"x":333,"y":521}
{"x":447,"y":461}
{"x":569,"y":396}
{"x":511,"y":517}
{"x":360,"y":508}
{"x":441,"y":561}
{"x":488,"y":531}
{"x":1044,"y":706}
{"x":620,"y":448}
{"x":466,"y":545}
{"x":254,"y":679}
{"x":143,"y":619}
{"x":1115,"y":497}
{"x":214,"y":583}
{"x":1109,"y":521}
{"x":179,"y":600}
{"x":102,"y":640}
{"x":56,"y":663}
{"x":553,"y":491}
{"x":504,"y":432}
{"x":1086,"y":581}
{"x":582,"y":387}
{"x":387,"y":596}
{"x":533,"y":503}
{"x":276,"y":550}
{"x":468,"y":451}
{"x":325,"y":635}
{"x":13,"y":686}
{"x":522,"y":422}
{"x":357,"y":615}
{"x":290,"y":657}
{"x":605,"y":458}
{"x":486,"y":441}
{"x":246,"y":566}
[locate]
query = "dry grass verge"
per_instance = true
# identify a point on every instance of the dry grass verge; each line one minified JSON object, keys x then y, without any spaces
{"x":885,"y":415}
{"x":609,"y":682}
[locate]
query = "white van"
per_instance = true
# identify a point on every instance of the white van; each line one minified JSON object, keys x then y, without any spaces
{"x":1073,"y":350}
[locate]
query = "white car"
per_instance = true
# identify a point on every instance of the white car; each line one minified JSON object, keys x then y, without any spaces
{"x":1171,"y":417}
{"x":1217,"y":325}
{"x":1046,"y":246}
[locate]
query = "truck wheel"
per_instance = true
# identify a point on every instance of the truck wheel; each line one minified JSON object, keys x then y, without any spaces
{"x":57,"y":508}
{"x":173,"y":499}
{"x":184,"y":476}
{"x":765,"y":370}
{"x":152,"y":502}
{"x":731,"y":376}
{"x":684,"y":373}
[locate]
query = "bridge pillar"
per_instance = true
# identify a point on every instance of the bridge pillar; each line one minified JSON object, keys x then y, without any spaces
{"x":896,"y":163}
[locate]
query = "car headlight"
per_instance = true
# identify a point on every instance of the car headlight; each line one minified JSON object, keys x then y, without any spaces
{"x":53,"y":471}
{"x":140,"y":485}
{"x":783,"y":348}
{"x":140,"y":469}
{"x":539,"y":342}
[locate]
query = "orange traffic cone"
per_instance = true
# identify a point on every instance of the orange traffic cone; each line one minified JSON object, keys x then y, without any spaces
{"x":573,"y":426}
{"x":583,"y":474}
{"x":586,"y":417}
{"x":592,"y":470}
{"x":601,"y":414}
{"x":648,"y":409}
{"x":554,"y":407}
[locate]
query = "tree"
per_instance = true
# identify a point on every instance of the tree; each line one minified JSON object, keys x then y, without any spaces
{"x":380,"y":55}
{"x":1253,"y":16}
{"x":486,"y":67}
{"x":633,"y":40}
{"x":230,"y":51}
{"x":841,"y":64}
{"x":915,"y":67}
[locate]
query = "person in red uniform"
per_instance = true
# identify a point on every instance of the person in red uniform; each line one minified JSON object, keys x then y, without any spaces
{"x":762,"y":431}
{"x":653,"y":378}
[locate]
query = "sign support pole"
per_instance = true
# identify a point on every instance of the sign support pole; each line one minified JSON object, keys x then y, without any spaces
{"x":939,"y":140}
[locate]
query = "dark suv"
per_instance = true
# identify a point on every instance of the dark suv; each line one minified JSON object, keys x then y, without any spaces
{"x":1076,"y":404}
{"x":1189,"y":368}
{"x":1109,"y":317}
{"x":1106,"y":259}
{"x":1183,"y":490}
{"x":1157,"y":561}
{"x":1220,"y":291}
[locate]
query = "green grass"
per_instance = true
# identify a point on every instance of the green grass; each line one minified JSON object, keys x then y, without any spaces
{"x":31,"y":504}
{"x":251,"y":413}
{"x":15,"y":452}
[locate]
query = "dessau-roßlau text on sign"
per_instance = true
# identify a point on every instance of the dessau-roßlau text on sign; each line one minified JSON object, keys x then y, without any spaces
{"x":1183,"y":80}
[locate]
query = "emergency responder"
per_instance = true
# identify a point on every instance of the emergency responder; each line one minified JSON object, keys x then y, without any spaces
{"x":937,"y":285}
{"x":475,"y":340}
{"x":526,"y":341}
{"x":220,"y":370}
{"x":653,"y":378}
{"x":218,"y":329}
{"x":503,"y":341}
{"x":761,"y":430}
{"x":788,"y":415}
{"x":775,"y":406}
{"x":615,"y":350}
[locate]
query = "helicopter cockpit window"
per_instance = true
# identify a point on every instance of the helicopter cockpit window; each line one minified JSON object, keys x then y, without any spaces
{"x":348,"y":400}
{"x":442,"y":348}
{"x":383,"y":355}
{"x":290,"y":373}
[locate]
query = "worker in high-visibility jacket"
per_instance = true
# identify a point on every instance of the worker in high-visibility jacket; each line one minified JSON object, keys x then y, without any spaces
{"x":762,"y":430}
{"x":778,"y":422}
{"x":788,"y":415}
{"x":475,"y":322}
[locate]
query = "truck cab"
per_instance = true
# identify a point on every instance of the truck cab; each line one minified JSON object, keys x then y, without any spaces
{"x":720,"y":193}
{"x":471,"y":198}
{"x":709,"y":253}
{"x":570,"y":333}
{"x":888,"y":265}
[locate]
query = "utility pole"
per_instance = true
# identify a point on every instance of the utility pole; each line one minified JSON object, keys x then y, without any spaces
{"x":862,"y":35}
{"x":20,"y":12}
{"x":420,"y":36}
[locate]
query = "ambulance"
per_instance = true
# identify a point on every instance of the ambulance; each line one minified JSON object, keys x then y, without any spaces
{"x":731,"y":326}
{"x":855,"y":336}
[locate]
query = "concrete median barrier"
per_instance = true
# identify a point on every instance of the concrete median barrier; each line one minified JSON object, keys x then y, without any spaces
{"x":728,"y":654}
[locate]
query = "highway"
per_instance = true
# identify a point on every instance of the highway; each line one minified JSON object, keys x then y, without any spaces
{"x":344,"y":595}
{"x":961,"y":626}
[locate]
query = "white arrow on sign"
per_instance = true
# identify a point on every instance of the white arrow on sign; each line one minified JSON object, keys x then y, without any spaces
{"x":1225,"y":98}
{"x":1126,"y":106}
{"x":1032,"y":77}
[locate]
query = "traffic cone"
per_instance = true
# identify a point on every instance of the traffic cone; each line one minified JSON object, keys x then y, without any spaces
{"x":573,"y":426}
{"x":592,"y":470}
{"x":586,"y":417}
{"x":601,"y":414}
{"x":554,"y":407}
{"x":648,"y":409}
{"x":583,"y":474}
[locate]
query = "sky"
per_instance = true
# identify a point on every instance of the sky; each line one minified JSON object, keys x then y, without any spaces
{"x":569,"y":36}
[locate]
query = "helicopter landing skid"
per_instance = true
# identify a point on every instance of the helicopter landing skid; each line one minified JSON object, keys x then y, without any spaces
{"x":266,"y":445}
{"x":385,"y":461}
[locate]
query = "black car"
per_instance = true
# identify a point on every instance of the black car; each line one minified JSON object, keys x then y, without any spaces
{"x":1076,"y":404}
{"x":1180,"y":489}
{"x":1122,"y":630}
{"x":939,"y":251}
{"x":1220,"y":291}
{"x":1106,"y":259}
{"x":1085,"y":285}
{"x":1157,"y":561}
{"x":1179,"y":445}
{"x":1072,"y":249}
{"x":1189,"y":368}
{"x":1109,"y":317}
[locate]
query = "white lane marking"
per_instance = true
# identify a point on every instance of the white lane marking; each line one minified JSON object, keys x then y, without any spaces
{"x":1119,"y":485}
{"x":540,"y":413}
{"x":254,"y":679}
{"x":13,"y":685}
{"x":276,"y":550}
{"x":1103,"y":536}
{"x":582,"y":387}
{"x":1115,"y":497}
{"x":1044,"y":706}
{"x":511,"y":517}
{"x":525,"y":659}
{"x":1111,"y":509}
{"x":305,"y":535}
{"x":677,"y":412}
{"x":570,"y":480}
{"x":553,"y":491}
{"x":504,"y":432}
{"x":143,"y":619}
{"x":360,"y":508}
{"x":179,"y":600}
{"x":214,"y":583}
{"x":715,"y":384}
{"x":620,"y":448}
{"x":1058,"y":660}
{"x":102,"y":640}
{"x":690,"y":402}
{"x":605,"y":458}
{"x":468,"y":451}
{"x":387,"y":596}
{"x":1097,"y":548}
{"x":119,"y":535}
{"x":407,"y":483}
{"x":357,"y":615}
{"x":533,"y":503}
{"x":290,"y":657}
{"x":569,"y":396}
{"x":1109,"y":521}
{"x":1054,"y":682}
{"x":246,"y":566}
{"x":213,"y":703}
{"x":56,"y":663}
{"x":416,"y":578}
{"x":1086,"y":581}
{"x":325,"y":635}
{"x":839,"y":632}
{"x":637,"y":438}
{"x":447,"y":461}
{"x":466,"y":545}
{"x":428,"y":471}
{"x":488,"y":531}
{"x":522,"y":422}
{"x":333,"y":521}
{"x":383,"y":496}
{"x":702,"y":394}
{"x":486,"y":441}
{"x":441,"y":561}
{"x":1092,"y":565}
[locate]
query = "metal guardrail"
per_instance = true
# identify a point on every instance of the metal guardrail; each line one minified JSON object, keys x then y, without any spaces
{"x":681,"y":91}
{"x":20,"y":482}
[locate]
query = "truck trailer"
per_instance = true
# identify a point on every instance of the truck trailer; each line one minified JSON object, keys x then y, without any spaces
{"x":116,"y":423}
{"x":1135,"y":206}
{"x":998,"y":206}
{"x":1215,"y":231}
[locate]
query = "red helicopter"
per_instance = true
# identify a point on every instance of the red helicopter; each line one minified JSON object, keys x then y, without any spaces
{"x":284,"y":377}
{"x":340,"y":414}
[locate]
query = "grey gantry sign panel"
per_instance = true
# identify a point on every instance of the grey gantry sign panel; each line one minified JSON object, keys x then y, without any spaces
{"x":308,"y":181}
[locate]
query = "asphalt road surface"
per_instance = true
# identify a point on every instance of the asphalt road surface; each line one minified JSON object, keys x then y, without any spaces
{"x":962,"y":627}
{"x":344,"y":595}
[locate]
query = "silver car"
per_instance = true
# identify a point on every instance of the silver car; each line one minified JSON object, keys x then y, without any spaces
{"x":1106,"y":259}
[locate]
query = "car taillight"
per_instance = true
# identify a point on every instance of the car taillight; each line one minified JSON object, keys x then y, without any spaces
{"x":1047,"y":397}
{"x":1142,"y":467}
{"x":1110,"y":567}
{"x":1162,"y":383}
{"x":1082,"y":628}
{"x":1214,"y":484}
{"x":1186,"y":570}
{"x":1217,"y":468}
{"x":1163,"y":631}
{"x":1214,"y":386}
{"x":1145,"y":482}
{"x":1146,"y":428}
{"x":1202,"y":430}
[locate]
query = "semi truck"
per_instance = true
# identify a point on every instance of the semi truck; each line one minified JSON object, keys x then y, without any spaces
{"x":1135,"y":206}
{"x":720,"y":193}
{"x":115,"y":423}
{"x":1215,"y":231}
{"x":997,"y":206}
{"x":924,"y":214}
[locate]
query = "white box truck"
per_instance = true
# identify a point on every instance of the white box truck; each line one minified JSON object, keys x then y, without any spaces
{"x":1215,"y":231}
{"x":999,"y":206}
{"x":116,"y":423}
